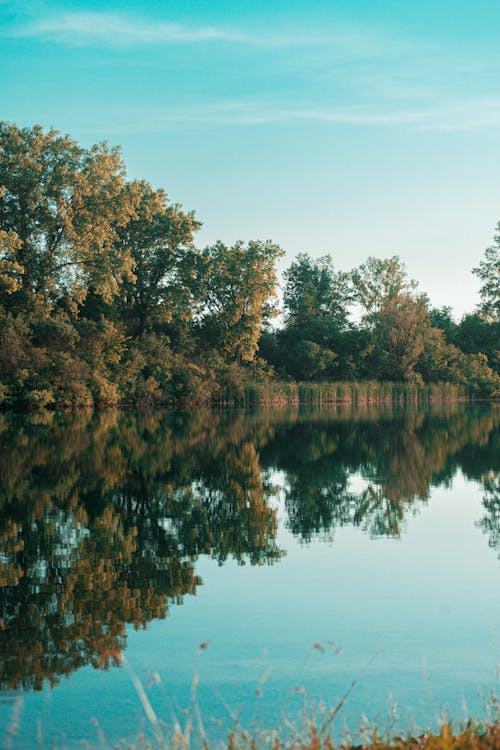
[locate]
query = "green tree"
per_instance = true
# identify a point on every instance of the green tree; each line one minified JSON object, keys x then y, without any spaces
{"x":316,"y":301}
{"x":442,"y":318}
{"x":305,"y":359}
{"x":158,"y":238}
{"x":238,"y":285}
{"x":400,"y":330}
{"x":377,"y":282}
{"x":488,"y":271}
{"x":395,"y":317}
{"x":61,"y":205}
{"x":439,"y":361}
{"x":475,"y":334}
{"x":316,"y":297}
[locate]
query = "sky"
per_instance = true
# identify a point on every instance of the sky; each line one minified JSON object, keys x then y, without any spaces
{"x":348,"y":127}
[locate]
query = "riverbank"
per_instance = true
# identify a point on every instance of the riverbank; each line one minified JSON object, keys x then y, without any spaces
{"x":355,"y":392}
{"x":263,"y":393}
{"x":471,"y":738}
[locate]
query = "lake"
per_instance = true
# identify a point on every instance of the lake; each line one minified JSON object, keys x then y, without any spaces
{"x":285,"y":559}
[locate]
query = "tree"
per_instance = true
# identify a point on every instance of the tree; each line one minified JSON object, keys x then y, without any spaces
{"x":10,"y":270}
{"x":316,"y":297}
{"x":395,"y":318}
{"x":305,"y":359}
{"x":474,"y":334}
{"x":316,"y":300}
{"x":238,"y":284}
{"x":400,"y":331}
{"x":377,"y":282}
{"x":488,"y":272}
{"x":61,"y":205}
{"x":442,"y":318}
{"x":158,"y":237}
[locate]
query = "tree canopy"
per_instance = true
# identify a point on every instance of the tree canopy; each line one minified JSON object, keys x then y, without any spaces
{"x":238,"y":285}
{"x":105,"y":298}
{"x":63,"y":205}
{"x":488,"y":272}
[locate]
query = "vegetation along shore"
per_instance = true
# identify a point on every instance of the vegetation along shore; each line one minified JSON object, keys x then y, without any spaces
{"x":106,"y":299}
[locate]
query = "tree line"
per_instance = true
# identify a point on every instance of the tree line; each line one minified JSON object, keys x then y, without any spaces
{"x":105,"y":298}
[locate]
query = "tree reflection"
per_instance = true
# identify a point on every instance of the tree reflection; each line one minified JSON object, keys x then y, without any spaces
{"x":102,"y":520}
{"x":372,"y":468}
{"x":103,"y":515}
{"x":490,"y":522}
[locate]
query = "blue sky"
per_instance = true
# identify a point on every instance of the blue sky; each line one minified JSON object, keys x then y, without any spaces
{"x":347,"y":127}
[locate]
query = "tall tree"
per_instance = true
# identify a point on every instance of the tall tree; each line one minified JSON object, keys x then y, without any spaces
{"x":316,"y":296}
{"x":400,"y":331}
{"x":63,"y":203}
{"x":377,"y":282}
{"x":488,"y":272}
{"x":316,"y":300}
{"x":158,"y":238}
{"x":238,"y":286}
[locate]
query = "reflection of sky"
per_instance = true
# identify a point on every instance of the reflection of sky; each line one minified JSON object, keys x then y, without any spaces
{"x":417,"y":619}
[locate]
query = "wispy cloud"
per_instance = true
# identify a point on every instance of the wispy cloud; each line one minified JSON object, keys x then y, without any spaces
{"x":125,"y":30}
{"x":254,"y":113}
{"x":340,"y":74}
{"x":118,"y":30}
{"x":466,"y":114}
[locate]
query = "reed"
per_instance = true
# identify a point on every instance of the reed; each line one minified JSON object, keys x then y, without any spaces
{"x":354,"y":392}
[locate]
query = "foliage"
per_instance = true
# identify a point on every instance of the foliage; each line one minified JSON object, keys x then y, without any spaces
{"x":488,"y":272}
{"x":316,"y":296}
{"x":61,"y":205}
{"x":104,"y":299}
{"x":399,"y":333}
{"x":316,"y":301}
{"x":158,"y":238}
{"x":377,"y":282}
{"x":442,"y":318}
{"x":474,"y":335}
{"x":238,"y":284}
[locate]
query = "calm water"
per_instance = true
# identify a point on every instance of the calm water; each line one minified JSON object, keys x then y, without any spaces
{"x":310,"y":548}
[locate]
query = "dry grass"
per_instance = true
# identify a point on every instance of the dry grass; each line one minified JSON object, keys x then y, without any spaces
{"x":314,"y":729}
{"x":470,"y":738}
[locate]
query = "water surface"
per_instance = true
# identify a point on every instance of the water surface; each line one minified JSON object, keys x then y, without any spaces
{"x":309,"y":548}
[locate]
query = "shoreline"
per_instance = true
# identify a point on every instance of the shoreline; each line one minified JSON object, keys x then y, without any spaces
{"x":277,"y":394}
